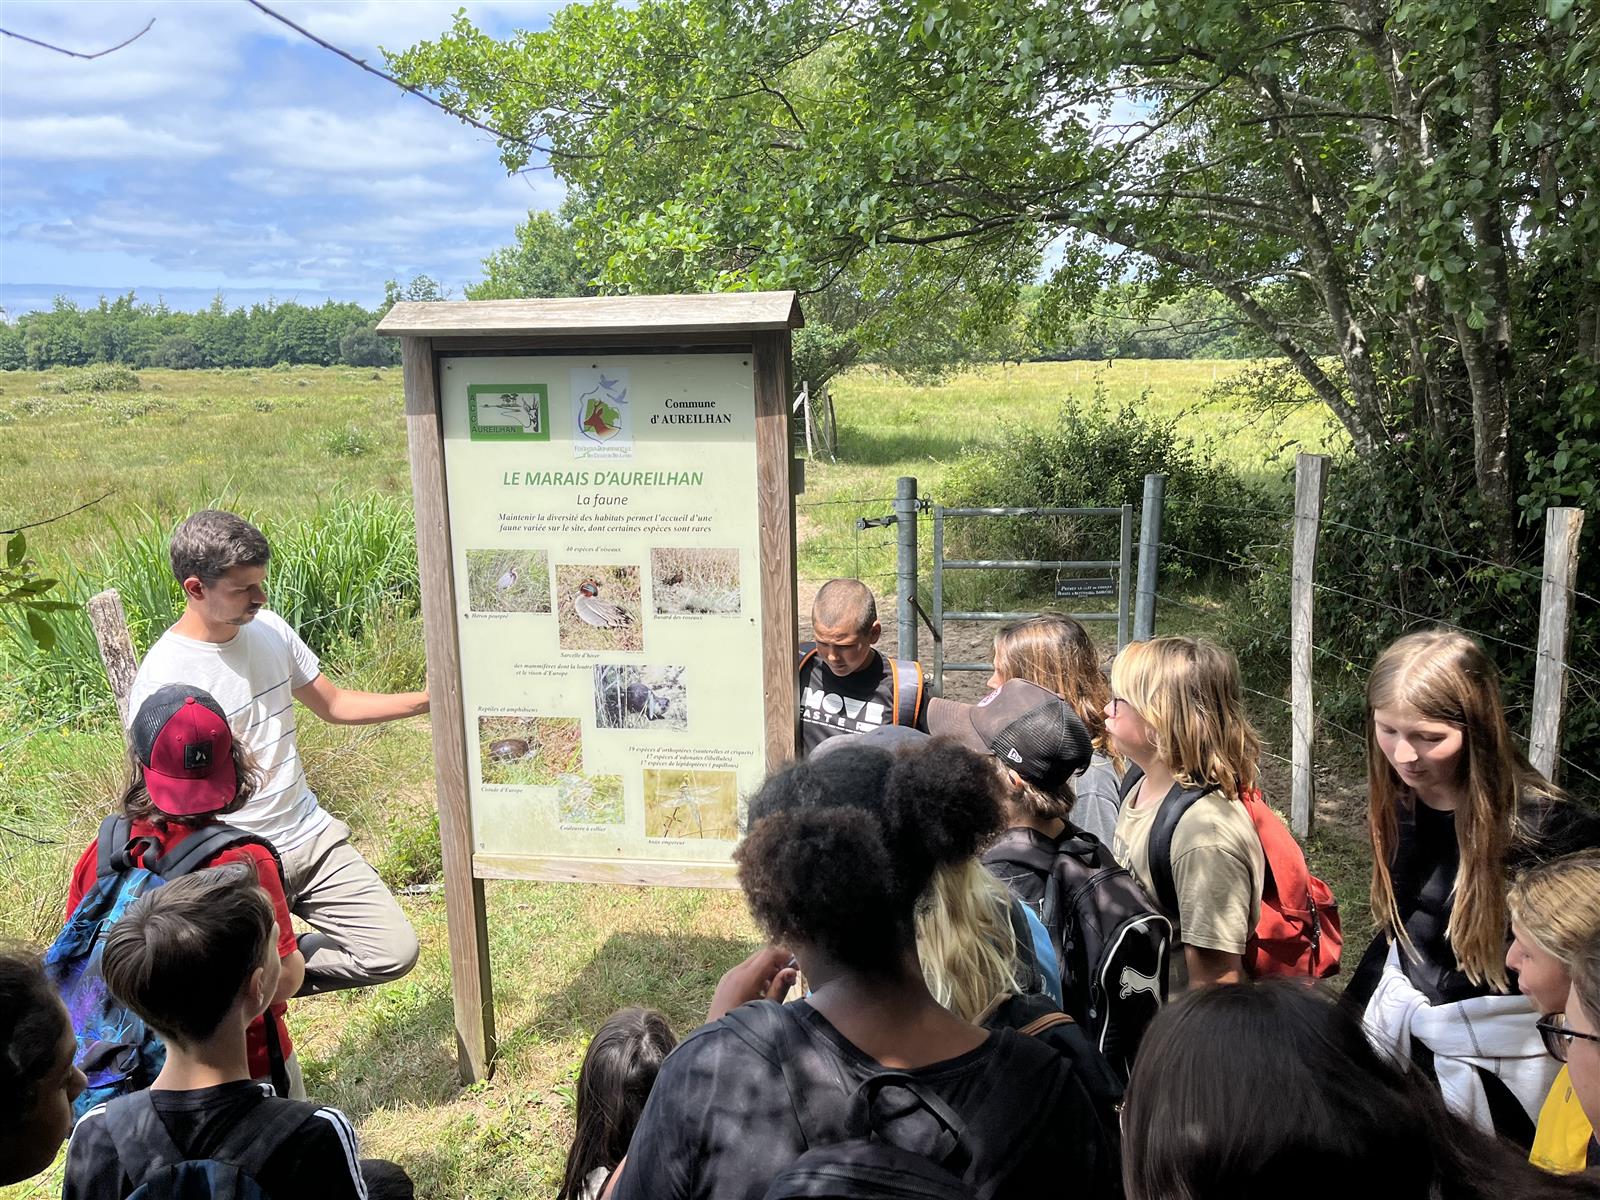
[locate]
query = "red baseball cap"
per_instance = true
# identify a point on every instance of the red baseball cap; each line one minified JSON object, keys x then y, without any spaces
{"x":182,"y":740}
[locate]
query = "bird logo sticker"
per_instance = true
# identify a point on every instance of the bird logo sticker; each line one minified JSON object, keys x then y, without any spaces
{"x":602,"y":428}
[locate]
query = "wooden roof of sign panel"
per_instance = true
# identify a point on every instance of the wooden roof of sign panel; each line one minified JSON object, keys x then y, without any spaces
{"x":721,"y":312}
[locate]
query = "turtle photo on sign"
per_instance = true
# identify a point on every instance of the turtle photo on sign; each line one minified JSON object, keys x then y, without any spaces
{"x":528,"y":750}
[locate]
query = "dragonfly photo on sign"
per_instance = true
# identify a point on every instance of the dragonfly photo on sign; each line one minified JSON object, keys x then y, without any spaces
{"x":691,"y":804}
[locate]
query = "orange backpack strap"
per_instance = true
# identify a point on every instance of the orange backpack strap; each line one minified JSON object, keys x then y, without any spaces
{"x":906,"y":684}
{"x":1049,"y":1021}
{"x":808,"y":651}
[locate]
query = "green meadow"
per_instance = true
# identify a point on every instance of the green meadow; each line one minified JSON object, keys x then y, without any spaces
{"x":320,"y":455}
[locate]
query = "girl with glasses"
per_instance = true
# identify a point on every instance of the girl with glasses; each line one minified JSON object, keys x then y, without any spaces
{"x":1555,"y":910}
{"x":1176,"y":711}
{"x":1454,"y":808}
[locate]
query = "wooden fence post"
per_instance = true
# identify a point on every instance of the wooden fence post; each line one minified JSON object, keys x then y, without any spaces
{"x":805,"y":412}
{"x":110,"y":624}
{"x":1561,"y":529}
{"x":1310,"y":485}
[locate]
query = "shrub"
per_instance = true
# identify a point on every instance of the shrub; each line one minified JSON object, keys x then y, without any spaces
{"x":1092,"y":458}
{"x":349,"y":442}
{"x":102,"y":377}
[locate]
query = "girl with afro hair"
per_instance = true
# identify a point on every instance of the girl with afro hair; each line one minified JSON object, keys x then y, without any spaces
{"x":838,"y":852}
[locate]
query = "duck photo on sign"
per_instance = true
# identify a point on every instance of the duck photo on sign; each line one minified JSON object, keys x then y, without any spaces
{"x":598,"y":607}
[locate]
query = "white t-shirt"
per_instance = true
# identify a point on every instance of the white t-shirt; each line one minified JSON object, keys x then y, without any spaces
{"x":253,"y":677}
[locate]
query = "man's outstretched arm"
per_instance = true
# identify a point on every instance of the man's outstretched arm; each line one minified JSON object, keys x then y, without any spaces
{"x":341,"y":706}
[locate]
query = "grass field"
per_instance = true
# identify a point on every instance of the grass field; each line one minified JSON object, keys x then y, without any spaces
{"x":280,"y":443}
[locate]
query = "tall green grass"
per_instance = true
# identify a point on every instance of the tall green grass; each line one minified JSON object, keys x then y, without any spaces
{"x":332,"y":572}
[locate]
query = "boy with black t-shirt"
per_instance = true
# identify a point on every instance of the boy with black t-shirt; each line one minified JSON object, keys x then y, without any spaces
{"x":197,"y":959}
{"x":846,"y":686}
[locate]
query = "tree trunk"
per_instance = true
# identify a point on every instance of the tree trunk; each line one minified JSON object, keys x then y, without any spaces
{"x":1491,"y":439}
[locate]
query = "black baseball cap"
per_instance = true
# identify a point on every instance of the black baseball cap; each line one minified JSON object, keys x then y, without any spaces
{"x":1031,"y":730}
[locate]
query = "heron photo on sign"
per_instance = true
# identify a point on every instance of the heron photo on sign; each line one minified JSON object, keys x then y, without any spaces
{"x":602,"y":427}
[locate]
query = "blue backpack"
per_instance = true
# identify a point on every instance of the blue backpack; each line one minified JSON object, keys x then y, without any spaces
{"x":159,"y":1170}
{"x":117,"y":1051}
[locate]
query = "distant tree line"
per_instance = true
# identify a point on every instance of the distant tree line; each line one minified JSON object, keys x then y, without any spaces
{"x":140,"y":334}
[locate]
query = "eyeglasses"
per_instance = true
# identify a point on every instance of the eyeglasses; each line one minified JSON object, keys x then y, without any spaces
{"x":1558,"y":1038}
{"x":1115,"y":706}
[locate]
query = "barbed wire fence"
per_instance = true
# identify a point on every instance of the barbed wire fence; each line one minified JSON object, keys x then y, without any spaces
{"x":868,"y":552}
{"x":1298,"y":531}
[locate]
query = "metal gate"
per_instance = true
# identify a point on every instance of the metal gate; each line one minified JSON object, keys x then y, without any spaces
{"x":1121,"y":586}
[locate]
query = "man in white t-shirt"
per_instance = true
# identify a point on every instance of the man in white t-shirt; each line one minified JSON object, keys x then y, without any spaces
{"x":228,"y":643}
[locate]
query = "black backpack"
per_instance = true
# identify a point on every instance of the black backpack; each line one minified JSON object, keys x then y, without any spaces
{"x":1113,"y":942}
{"x":870,"y":1164}
{"x":159,"y":1170}
{"x":898,"y":1140}
{"x":1038,"y":1017}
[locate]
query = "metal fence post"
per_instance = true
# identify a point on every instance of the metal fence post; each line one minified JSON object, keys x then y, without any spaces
{"x":1125,"y":560}
{"x":937,"y":688}
{"x":1561,"y":529}
{"x":1310,"y":484}
{"x":1144,"y":610}
{"x":905,"y":512}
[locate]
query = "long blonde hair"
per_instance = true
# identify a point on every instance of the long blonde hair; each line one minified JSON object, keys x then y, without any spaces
{"x":1556,"y":904}
{"x":1445,"y":676}
{"x":965,"y":939}
{"x":1188,"y":692}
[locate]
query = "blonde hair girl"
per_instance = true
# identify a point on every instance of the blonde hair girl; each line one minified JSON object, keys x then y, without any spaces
{"x":1186,"y":692}
{"x":1177,"y":712}
{"x":1454,"y":808}
{"x":1055,"y":652}
{"x":1555,"y":914}
{"x":966,"y":941}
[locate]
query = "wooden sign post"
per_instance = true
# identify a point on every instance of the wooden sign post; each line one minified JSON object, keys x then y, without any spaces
{"x":606,"y":542}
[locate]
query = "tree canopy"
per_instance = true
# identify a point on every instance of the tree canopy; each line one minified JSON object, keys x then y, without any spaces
{"x":1398,"y":195}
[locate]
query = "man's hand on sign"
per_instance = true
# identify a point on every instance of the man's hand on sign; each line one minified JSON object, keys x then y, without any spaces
{"x":767,"y":974}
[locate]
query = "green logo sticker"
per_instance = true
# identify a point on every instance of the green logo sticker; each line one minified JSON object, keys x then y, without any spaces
{"x":508,"y":412}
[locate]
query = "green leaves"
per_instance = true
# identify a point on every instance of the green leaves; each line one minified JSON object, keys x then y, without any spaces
{"x":21,"y":588}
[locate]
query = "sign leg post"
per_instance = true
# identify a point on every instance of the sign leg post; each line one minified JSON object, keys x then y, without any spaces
{"x":470,"y":981}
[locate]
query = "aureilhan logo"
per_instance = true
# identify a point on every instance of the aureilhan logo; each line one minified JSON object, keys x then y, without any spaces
{"x":508,"y":412}
{"x":601,"y":424}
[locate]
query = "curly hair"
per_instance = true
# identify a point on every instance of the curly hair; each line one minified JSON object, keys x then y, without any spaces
{"x":840,"y":848}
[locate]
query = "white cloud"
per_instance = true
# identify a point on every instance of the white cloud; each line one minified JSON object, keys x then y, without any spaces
{"x":97,"y":138}
{"x":223,"y":146}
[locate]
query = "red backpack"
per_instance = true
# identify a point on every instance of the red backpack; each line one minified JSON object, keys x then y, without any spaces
{"x":1298,"y":933}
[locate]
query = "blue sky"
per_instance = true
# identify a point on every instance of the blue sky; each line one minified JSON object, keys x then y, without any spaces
{"x":223,"y":151}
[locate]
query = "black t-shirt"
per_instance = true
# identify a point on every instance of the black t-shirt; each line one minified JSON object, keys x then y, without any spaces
{"x":721,"y":1123}
{"x":320,"y":1159}
{"x":1423,"y":872}
{"x":858,"y":703}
